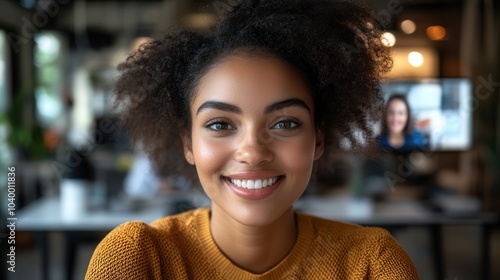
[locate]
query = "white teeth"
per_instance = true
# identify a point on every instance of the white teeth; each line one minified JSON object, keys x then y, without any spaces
{"x":250,"y":184}
{"x":254,"y":184}
{"x":258,"y":184}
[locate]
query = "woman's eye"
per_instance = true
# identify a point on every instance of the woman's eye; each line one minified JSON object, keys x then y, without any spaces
{"x":218,"y":125}
{"x":286,"y":124}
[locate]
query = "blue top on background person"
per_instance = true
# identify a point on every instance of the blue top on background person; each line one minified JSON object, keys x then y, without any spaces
{"x":397,"y":130}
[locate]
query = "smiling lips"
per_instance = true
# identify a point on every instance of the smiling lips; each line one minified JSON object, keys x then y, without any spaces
{"x":254,"y":184}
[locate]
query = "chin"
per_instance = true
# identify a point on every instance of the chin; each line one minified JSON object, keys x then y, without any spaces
{"x":396,"y":130}
{"x":257,"y":216}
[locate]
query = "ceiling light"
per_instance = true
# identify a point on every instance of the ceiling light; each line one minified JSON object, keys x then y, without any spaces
{"x":436,"y":32}
{"x":416,"y":59}
{"x":388,"y":39}
{"x":408,"y":26}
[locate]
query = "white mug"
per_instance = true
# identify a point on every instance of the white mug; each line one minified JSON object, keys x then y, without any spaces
{"x":74,"y":194}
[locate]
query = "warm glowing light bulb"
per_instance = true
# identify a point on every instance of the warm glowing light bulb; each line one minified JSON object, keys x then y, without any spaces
{"x":436,"y":32}
{"x":388,"y":39}
{"x":416,"y":59}
{"x":408,"y":26}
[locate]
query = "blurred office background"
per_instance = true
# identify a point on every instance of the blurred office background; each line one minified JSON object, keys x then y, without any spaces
{"x":77,"y":177}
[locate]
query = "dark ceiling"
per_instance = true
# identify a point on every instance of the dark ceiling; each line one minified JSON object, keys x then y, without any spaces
{"x":105,"y":19}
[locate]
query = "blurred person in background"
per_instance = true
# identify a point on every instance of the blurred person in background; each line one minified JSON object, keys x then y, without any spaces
{"x":398,"y":132}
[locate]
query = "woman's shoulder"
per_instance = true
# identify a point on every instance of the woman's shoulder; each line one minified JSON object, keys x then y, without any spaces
{"x":416,"y":140}
{"x":368,"y":251}
{"x":416,"y":134}
{"x":135,"y":248}
{"x":360,"y":241}
{"x":123,"y":253}
{"x":383,"y":141}
{"x":136,"y":230}
{"x":381,"y":137}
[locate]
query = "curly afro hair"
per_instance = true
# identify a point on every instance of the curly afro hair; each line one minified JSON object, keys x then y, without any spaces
{"x":334,"y":44}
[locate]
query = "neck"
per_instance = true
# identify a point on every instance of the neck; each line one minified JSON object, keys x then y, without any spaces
{"x":396,"y":139}
{"x":256,"y":249}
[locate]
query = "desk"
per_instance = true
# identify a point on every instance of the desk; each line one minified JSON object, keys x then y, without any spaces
{"x":44,"y":215}
{"x":385,"y":213}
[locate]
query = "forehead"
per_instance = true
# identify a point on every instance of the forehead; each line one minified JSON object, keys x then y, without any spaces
{"x":397,"y":103}
{"x":243,"y":78}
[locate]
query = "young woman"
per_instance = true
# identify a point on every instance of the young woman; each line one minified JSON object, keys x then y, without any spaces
{"x":252,"y":106}
{"x":397,"y":131}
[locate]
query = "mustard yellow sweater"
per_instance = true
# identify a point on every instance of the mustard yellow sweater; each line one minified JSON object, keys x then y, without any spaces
{"x":181,"y":247}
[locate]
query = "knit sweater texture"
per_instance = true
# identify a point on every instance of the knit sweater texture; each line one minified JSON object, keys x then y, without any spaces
{"x":181,"y":247}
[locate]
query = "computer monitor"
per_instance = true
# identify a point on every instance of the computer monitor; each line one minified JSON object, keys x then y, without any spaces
{"x":441,"y":110}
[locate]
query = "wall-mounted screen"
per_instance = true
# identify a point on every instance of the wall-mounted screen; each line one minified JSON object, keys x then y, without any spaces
{"x":427,"y":114}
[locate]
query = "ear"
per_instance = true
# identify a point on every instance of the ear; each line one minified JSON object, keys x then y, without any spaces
{"x":320,"y":144}
{"x":188,"y":148}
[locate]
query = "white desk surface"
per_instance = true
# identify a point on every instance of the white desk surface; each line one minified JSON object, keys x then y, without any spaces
{"x":44,"y":214}
{"x":363,"y":211}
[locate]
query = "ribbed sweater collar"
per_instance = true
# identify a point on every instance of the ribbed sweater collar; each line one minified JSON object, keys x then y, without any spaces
{"x":228,"y":270}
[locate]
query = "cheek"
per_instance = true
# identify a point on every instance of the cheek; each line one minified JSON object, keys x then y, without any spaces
{"x":298,"y":155}
{"x":208,"y":155}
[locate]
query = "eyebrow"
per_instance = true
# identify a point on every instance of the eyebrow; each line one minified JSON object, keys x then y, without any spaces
{"x":286,"y":103}
{"x":223,"y":106}
{"x":217,"y":105}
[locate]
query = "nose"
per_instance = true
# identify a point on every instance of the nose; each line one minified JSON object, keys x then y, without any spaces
{"x":254,"y":148}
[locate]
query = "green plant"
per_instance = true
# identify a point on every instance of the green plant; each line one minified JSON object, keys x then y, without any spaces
{"x":25,"y":136}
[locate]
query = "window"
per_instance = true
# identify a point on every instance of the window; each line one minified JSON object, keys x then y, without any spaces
{"x":49,"y":78}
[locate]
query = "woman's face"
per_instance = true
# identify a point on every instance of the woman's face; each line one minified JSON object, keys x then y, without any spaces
{"x":253,"y":138}
{"x":397,"y":116}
